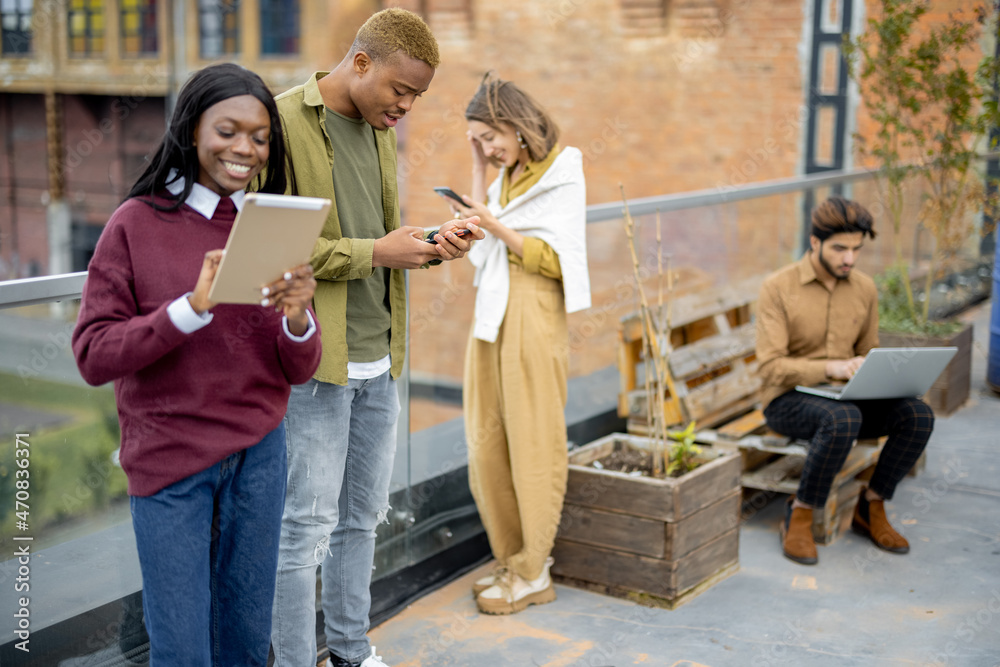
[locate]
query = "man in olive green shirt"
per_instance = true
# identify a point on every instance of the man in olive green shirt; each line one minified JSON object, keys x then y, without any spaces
{"x":816,"y":321}
{"x":341,"y":426}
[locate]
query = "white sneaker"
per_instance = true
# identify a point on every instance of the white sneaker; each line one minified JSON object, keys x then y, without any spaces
{"x":513,"y":594}
{"x":492,"y":579}
{"x":373,"y":660}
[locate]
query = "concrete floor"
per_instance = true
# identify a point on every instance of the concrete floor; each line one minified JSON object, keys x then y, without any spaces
{"x":937,"y":605}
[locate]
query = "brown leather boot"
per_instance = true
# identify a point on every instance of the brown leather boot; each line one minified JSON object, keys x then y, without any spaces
{"x":796,"y":535}
{"x":870,"y":520}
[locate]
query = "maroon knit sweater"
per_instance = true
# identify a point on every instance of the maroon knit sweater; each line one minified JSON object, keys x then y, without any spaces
{"x":185,"y":401}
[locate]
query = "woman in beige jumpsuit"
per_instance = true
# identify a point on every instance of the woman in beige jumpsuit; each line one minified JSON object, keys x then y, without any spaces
{"x":531,"y":271}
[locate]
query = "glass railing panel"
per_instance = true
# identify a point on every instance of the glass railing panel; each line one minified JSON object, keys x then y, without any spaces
{"x":441,"y":512}
{"x":64,"y":498}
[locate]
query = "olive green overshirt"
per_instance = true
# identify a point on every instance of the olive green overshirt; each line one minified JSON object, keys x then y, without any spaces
{"x":336,"y":259}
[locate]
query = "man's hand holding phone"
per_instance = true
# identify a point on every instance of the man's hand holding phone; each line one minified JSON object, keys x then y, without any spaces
{"x":455,"y":237}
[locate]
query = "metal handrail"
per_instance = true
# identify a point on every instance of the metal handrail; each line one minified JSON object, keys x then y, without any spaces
{"x":44,"y":289}
{"x":15,"y":293}
{"x":723,"y":194}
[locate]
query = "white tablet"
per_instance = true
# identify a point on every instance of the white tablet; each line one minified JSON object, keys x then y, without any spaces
{"x":271,"y":234}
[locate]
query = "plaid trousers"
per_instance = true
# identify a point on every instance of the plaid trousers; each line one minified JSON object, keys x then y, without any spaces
{"x":832,"y":428}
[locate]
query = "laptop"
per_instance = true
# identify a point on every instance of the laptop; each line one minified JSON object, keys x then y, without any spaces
{"x":890,"y":372}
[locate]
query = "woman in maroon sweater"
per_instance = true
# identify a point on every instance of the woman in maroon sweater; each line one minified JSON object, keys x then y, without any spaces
{"x":201,"y":388}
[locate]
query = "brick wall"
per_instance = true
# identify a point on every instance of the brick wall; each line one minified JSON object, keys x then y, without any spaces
{"x":23,"y":186}
{"x":704,"y":96}
{"x":105,"y":141}
{"x":660,"y":97}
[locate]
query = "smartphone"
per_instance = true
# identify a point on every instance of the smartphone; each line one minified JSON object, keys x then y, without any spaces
{"x":448,"y":192}
{"x":458,"y":232}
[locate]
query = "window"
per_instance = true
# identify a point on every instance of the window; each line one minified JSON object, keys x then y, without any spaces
{"x":15,"y":24}
{"x":138,"y":22}
{"x":219,"y":27}
{"x":279,"y":27}
{"x":86,"y":27}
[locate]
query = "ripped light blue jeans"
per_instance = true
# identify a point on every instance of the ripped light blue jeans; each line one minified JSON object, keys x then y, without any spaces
{"x":341,"y":445}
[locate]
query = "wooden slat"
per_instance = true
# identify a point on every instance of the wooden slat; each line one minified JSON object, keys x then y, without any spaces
{"x":780,"y":475}
{"x":861,"y":457}
{"x":603,"y":489}
{"x":836,"y":516}
{"x":641,"y":574}
{"x":636,"y":403}
{"x":703,"y":486}
{"x":703,"y":526}
{"x":721,"y":391}
{"x":629,"y":353}
{"x":623,"y":532}
{"x":668,"y":499}
{"x":600,"y":565}
{"x":694,"y":307}
{"x":705,"y":561}
{"x":778,"y":444}
{"x":742,"y":426}
{"x":727,"y":412}
{"x":712,"y":352}
{"x":690,"y":308}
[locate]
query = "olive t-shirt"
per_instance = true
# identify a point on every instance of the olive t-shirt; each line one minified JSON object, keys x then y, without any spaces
{"x":357,"y":182}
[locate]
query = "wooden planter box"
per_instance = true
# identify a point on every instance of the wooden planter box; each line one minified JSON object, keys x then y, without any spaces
{"x":654,"y":540}
{"x":951,"y":389}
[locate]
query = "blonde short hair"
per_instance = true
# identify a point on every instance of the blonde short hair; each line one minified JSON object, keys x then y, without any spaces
{"x":395,"y":29}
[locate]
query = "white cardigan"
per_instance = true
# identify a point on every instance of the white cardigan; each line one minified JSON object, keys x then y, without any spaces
{"x":553,"y":210}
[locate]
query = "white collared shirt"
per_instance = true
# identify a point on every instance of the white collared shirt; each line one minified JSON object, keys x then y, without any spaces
{"x":201,"y":198}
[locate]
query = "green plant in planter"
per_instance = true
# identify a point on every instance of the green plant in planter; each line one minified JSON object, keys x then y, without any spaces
{"x":933,"y":111}
{"x":894,"y":308}
{"x":683,"y":455}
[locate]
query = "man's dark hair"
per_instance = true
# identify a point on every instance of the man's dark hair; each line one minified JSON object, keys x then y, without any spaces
{"x":838,"y":216}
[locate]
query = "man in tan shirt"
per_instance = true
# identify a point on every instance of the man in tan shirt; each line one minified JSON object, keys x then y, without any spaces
{"x":816,"y":320}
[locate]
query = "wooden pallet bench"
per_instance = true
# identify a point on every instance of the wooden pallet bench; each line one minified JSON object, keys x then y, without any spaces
{"x":709,"y":346}
{"x":772,"y":464}
{"x":710,"y":353}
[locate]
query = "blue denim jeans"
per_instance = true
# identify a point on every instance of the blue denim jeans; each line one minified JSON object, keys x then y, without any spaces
{"x":341,"y":446}
{"x":208,"y":549}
